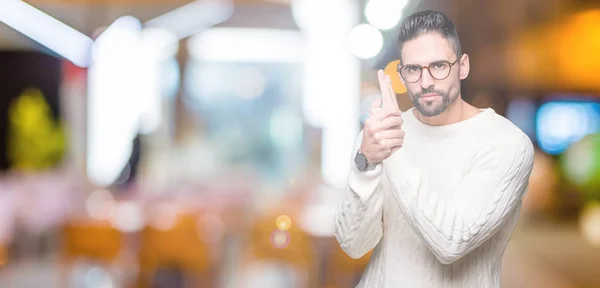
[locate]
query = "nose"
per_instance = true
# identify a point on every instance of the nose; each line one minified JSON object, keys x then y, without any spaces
{"x":426,"y":79}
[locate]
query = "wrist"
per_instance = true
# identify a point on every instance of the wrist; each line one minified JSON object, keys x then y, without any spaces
{"x":363,"y":163}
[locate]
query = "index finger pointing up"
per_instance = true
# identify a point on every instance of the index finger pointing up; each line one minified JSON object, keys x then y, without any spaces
{"x":387,"y":98}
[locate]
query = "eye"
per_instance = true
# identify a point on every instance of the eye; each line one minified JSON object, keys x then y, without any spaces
{"x":439,"y":65}
{"x":412,"y":69}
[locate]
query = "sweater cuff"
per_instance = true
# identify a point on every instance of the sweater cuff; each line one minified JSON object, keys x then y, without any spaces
{"x":364,"y":183}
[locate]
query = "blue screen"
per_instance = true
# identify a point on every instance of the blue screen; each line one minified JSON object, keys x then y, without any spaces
{"x":562,"y":123}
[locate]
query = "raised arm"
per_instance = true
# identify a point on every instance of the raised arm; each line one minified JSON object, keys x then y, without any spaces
{"x":488,"y":194}
{"x":358,"y":221}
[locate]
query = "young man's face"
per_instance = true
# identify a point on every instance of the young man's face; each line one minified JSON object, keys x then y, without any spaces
{"x":432,"y":95}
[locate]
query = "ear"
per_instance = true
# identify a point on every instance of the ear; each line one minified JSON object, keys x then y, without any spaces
{"x":464,"y":66}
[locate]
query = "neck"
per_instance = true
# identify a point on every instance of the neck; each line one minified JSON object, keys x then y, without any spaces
{"x":456,"y":112}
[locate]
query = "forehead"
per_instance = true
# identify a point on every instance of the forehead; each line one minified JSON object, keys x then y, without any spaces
{"x":427,"y":48}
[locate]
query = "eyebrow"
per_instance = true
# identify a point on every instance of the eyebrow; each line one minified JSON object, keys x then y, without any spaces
{"x":441,"y":60}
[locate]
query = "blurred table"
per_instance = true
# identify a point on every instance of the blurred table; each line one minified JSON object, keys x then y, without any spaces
{"x":549,"y":254}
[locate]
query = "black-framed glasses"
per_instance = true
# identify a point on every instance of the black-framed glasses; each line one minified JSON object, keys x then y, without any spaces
{"x":438,"y":70}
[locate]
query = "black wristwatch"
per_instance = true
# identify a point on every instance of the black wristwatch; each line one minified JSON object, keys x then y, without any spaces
{"x":361,"y":162}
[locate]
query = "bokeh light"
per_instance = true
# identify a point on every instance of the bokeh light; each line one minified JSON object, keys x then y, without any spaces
{"x":283,"y":222}
{"x":559,"y":124}
{"x":164,"y":216}
{"x":581,"y":165}
{"x":365,"y":41}
{"x":384,"y":14}
{"x":589,"y":224}
{"x":128,"y":217}
{"x":280,"y":239}
{"x":578,"y":161}
{"x":100,"y":205}
{"x":98,"y":277}
{"x":249,"y":83}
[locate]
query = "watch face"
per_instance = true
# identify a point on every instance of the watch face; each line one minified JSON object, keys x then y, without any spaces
{"x":360,"y":161}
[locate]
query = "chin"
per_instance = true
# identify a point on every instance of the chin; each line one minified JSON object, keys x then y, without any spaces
{"x":431,"y":111}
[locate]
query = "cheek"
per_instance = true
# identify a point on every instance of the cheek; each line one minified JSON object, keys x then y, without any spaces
{"x":444,"y":86}
{"x":413,"y":87}
{"x":454,"y":90}
{"x":449,"y":85}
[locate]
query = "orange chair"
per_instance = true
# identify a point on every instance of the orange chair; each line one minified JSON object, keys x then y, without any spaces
{"x":180,"y":246}
{"x":95,"y":240}
{"x":293,"y":248}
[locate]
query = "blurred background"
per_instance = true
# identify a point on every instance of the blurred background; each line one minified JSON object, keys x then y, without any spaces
{"x":206,"y":144}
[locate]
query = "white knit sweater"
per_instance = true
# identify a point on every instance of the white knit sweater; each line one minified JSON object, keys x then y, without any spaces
{"x":440,"y":211}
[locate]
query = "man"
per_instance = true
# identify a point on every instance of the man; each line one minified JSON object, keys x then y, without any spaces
{"x":436,"y":190}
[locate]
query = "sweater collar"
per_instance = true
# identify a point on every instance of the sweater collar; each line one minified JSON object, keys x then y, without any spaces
{"x":464,"y":126}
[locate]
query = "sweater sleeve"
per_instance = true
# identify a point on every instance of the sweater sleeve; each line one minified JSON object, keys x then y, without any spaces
{"x":475,"y":209}
{"x":358,"y":220}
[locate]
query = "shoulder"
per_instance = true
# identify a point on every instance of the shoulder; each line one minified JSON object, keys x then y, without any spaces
{"x":498,"y":129}
{"x":501,"y":138}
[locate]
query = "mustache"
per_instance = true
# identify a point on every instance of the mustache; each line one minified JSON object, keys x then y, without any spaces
{"x":429,"y":90}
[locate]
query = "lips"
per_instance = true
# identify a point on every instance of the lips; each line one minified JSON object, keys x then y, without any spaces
{"x":430,"y":96}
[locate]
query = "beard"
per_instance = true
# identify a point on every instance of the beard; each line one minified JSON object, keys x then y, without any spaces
{"x":433,"y":108}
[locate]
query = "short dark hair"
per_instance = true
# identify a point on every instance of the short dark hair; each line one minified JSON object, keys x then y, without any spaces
{"x":427,"y":21}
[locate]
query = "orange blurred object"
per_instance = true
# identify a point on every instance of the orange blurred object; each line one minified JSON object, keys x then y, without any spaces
{"x":97,"y":240}
{"x":343,"y":271}
{"x":180,"y":245}
{"x":89,"y":239}
{"x":562,"y":55}
{"x":3,"y":258}
{"x":292,"y":247}
{"x":391,"y":70}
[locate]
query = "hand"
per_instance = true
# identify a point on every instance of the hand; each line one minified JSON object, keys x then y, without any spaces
{"x":382,"y":133}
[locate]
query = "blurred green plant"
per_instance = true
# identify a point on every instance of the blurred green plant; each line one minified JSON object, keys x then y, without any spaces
{"x":581,"y":166}
{"x":35,"y":140}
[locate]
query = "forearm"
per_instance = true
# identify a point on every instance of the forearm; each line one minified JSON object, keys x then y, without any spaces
{"x":358,"y":221}
{"x":454,"y":222}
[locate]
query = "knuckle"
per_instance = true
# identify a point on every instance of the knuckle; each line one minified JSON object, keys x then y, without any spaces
{"x":377,"y":136}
